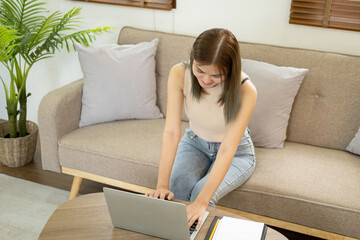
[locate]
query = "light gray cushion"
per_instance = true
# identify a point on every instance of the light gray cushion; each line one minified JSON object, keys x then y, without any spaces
{"x":277,"y":88}
{"x":354,"y":145}
{"x":119,"y":82}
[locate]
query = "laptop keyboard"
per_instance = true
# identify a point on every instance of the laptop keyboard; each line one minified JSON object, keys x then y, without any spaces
{"x":193,"y":226}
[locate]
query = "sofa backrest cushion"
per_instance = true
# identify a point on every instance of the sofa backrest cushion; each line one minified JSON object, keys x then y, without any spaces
{"x":114,"y":87}
{"x":276,"y":91}
{"x":172,"y":49}
{"x":326,"y":109}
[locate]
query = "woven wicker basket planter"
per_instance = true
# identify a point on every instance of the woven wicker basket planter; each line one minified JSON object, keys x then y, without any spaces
{"x":17,"y":152}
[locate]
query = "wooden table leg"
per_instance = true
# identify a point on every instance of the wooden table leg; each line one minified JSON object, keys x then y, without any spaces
{"x":75,"y":187}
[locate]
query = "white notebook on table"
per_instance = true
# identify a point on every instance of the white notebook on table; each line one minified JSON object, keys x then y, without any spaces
{"x":237,"y":229}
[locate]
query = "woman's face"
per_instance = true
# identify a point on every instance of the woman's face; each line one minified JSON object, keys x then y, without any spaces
{"x":208,"y":76}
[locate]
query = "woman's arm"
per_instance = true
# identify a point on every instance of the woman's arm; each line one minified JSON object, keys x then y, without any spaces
{"x":232,"y":138}
{"x":172,"y":131}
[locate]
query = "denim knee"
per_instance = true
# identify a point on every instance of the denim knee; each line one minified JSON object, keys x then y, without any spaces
{"x":181,"y":186}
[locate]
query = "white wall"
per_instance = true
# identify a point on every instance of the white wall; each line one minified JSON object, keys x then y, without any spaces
{"x":259,"y":21}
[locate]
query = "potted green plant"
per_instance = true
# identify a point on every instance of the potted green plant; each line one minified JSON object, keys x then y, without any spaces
{"x":28,"y":34}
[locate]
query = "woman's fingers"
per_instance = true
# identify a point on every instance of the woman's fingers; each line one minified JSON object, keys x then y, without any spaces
{"x":191,"y":221}
{"x":170,"y":196}
{"x":150,"y":194}
{"x":200,"y":219}
{"x":161,"y":193}
{"x":157,"y":194}
{"x":191,"y":217}
{"x":195,"y":212}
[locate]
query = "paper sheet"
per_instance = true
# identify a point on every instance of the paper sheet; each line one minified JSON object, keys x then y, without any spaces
{"x":238,"y":229}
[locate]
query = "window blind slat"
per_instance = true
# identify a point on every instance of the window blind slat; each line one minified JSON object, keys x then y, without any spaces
{"x":158,"y":6}
{"x":344,"y":20}
{"x":346,"y":3}
{"x":311,"y":1}
{"x":308,"y":5}
{"x":354,"y":27}
{"x":168,"y":2}
{"x":153,"y":4}
{"x":346,"y":9}
{"x":307,"y":16}
{"x":307,"y":10}
{"x":306,"y":22}
{"x":345,"y":14}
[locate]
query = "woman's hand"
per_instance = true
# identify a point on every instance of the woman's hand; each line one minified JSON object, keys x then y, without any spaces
{"x":161,"y":193}
{"x":196,"y":211}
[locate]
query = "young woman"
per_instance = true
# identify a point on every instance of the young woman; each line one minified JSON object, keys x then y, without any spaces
{"x":216,"y":154}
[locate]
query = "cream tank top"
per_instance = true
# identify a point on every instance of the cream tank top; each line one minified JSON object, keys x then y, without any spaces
{"x":206,"y":117}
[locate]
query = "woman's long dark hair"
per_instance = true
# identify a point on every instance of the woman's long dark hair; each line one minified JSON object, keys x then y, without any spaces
{"x":219,"y":47}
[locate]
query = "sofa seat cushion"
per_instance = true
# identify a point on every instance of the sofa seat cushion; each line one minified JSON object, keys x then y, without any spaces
{"x":127,"y":150}
{"x":303,"y":184}
{"x":321,"y":192}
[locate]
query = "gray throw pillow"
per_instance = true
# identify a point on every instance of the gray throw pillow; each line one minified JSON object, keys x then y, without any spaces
{"x":119,"y":82}
{"x":277,"y":88}
{"x":354,"y":145}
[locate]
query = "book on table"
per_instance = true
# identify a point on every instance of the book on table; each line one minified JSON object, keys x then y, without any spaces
{"x":229,"y":228}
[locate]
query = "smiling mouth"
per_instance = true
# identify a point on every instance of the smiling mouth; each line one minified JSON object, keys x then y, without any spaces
{"x":206,"y":84}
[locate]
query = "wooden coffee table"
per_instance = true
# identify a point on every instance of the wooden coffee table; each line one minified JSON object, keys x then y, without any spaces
{"x":87,"y":217}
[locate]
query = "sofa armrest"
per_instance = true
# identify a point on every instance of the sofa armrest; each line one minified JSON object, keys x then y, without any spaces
{"x":59,"y":114}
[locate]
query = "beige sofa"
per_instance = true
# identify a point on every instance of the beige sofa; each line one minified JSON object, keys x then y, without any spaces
{"x":312,"y":185}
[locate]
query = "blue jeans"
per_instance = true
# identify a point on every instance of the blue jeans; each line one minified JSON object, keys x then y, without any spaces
{"x":194,"y":160}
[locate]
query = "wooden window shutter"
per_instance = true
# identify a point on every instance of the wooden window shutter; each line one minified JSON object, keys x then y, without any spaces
{"x":340,"y":14}
{"x":153,"y":4}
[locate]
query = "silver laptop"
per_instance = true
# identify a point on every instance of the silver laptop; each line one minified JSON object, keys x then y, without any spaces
{"x":156,"y":217}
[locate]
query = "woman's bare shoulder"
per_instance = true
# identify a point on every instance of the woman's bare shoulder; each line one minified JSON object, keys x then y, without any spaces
{"x":247,"y":86}
{"x":178,"y":68}
{"x":178,"y":71}
{"x":177,"y":74}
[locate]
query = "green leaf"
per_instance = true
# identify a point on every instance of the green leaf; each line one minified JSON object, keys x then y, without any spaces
{"x":6,"y":90}
{"x":7,"y":43}
{"x":23,"y":14}
{"x":18,"y":78}
{"x":44,"y":30}
{"x":81,"y":36}
{"x":23,"y":84}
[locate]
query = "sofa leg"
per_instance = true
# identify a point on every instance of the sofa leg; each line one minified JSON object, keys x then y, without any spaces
{"x":75,"y":187}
